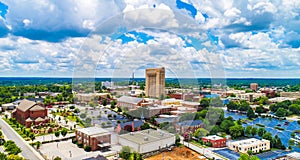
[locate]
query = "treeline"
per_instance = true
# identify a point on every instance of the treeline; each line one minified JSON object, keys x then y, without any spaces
{"x":11,"y":93}
{"x":286,"y":108}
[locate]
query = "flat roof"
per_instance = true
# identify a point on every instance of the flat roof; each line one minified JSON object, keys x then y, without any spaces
{"x":249,"y":141}
{"x":147,"y":136}
{"x":93,"y":131}
{"x":295,"y":155}
{"x":213,"y":137}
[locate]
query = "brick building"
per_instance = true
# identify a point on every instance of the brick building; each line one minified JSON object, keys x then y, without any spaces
{"x":95,"y":137}
{"x":30,"y":112}
{"x":216,"y":141}
{"x":128,"y":103}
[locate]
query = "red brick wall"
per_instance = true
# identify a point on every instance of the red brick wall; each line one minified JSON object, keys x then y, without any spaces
{"x":36,"y":114}
{"x":216,"y":143}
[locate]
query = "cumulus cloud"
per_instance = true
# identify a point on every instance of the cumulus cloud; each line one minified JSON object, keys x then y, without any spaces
{"x":250,"y":37}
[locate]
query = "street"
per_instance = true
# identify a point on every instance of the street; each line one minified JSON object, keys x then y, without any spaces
{"x":27,"y":151}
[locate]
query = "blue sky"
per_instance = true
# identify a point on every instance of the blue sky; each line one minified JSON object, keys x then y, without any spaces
{"x":227,"y":38}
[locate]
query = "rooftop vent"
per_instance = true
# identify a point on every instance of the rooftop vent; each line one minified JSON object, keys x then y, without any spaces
{"x":131,"y":133}
{"x":146,"y":138}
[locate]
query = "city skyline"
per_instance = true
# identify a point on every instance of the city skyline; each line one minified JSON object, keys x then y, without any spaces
{"x":250,"y":38}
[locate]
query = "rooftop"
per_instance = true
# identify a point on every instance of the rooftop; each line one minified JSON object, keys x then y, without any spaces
{"x":247,"y":142}
{"x":146,"y":136}
{"x":93,"y":131}
{"x":213,"y":137}
{"x":129,"y":99}
{"x":25,"y":105}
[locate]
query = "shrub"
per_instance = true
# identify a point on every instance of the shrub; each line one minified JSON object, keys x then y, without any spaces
{"x":80,"y":145}
{"x":74,"y":141}
{"x":87,"y":148}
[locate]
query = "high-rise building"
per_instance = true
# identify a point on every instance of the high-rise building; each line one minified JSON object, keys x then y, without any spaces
{"x":254,"y":86}
{"x":155,"y":82}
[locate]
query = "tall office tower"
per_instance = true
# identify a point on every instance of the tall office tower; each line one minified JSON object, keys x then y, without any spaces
{"x":254,"y":86}
{"x":155,"y":82}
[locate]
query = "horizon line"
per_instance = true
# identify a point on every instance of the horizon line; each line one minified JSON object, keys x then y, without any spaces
{"x":144,"y":77}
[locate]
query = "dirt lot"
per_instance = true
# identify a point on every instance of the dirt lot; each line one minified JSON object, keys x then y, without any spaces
{"x":178,"y":153}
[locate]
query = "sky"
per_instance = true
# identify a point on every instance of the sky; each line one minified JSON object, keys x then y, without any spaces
{"x":190,"y":38}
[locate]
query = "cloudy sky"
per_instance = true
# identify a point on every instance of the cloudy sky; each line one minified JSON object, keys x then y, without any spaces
{"x":191,"y":38}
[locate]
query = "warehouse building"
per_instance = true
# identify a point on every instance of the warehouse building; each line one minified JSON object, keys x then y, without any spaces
{"x":147,"y":140}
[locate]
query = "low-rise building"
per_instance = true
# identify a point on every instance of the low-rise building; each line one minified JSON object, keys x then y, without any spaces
{"x":251,"y":144}
{"x":8,"y":106}
{"x":289,"y":156}
{"x":216,"y":141}
{"x":30,"y":112}
{"x":130,"y":126}
{"x":250,"y":96}
{"x":95,"y":137}
{"x":290,"y":94}
{"x":188,"y":126}
{"x":147,"y":140}
{"x":127,"y":102}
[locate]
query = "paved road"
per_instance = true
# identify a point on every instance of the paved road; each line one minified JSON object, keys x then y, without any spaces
{"x":204,"y":151}
{"x":27,"y":151}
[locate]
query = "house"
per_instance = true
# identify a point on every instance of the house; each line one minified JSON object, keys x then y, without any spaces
{"x":127,"y":102}
{"x":8,"y":106}
{"x":251,"y":144}
{"x":148,"y":140}
{"x":216,"y":141}
{"x":95,"y":137}
{"x":30,"y":112}
{"x":132,"y":126}
{"x":189,"y":125}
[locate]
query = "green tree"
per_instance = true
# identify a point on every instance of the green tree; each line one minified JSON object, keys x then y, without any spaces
{"x":267,"y":136}
{"x":295,"y":108}
{"x":260,"y":110}
{"x":281,"y":112}
{"x":245,"y":156}
{"x":104,"y":102}
{"x":232,"y":105}
{"x":64,"y":132}
{"x":145,"y":126}
{"x":125,"y":152}
{"x":204,"y":102}
{"x":248,"y":130}
{"x":277,"y":143}
{"x":261,"y":131}
{"x":57,"y":133}
{"x":201,"y":132}
{"x":254,"y":131}
{"x":3,"y":156}
{"x":250,"y":113}
{"x":57,"y":158}
{"x":236,"y":131}
{"x":226,"y":124}
{"x":14,"y":157}
{"x":32,"y":137}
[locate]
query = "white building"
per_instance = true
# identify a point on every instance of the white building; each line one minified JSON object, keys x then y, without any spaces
{"x":107,"y":84}
{"x":147,"y":140}
{"x":253,"y":144}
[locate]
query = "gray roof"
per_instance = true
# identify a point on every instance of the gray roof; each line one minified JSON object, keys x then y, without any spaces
{"x":25,"y":105}
{"x":93,"y":131}
{"x":146,"y":136}
{"x":128,"y":99}
{"x":37,"y":108}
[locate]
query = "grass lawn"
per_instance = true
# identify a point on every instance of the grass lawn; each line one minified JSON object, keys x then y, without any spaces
{"x":198,"y":144}
{"x":76,"y":119}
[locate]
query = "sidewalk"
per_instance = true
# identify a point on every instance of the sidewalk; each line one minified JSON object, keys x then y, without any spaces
{"x":204,"y":151}
{"x":52,"y":137}
{"x":27,"y":150}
